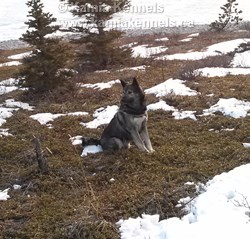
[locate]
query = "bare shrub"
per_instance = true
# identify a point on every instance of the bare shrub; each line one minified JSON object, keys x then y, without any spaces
{"x":189,"y":70}
{"x":245,"y":26}
{"x":216,"y":61}
{"x":243,"y":203}
{"x":242,"y":48}
{"x":229,"y":17}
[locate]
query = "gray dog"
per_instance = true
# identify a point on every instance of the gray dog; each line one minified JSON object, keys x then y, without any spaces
{"x":128,"y":125}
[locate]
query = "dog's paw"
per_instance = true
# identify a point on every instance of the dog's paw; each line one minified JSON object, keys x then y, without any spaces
{"x":150,"y":151}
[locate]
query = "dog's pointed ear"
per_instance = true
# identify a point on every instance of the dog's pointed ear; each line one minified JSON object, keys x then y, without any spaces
{"x":123,"y":83}
{"x":135,"y":82}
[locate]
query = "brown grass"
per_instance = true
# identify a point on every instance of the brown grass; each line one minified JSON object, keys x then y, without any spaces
{"x":77,"y":199}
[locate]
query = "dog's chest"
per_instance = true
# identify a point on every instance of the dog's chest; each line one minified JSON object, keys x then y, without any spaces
{"x":139,"y":121}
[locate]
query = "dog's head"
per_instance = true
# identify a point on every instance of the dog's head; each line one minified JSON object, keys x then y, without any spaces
{"x":133,"y":98}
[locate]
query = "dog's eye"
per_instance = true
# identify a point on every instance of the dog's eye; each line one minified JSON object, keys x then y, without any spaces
{"x":129,"y":92}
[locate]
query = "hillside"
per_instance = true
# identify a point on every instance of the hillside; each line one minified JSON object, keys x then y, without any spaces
{"x":198,"y":122}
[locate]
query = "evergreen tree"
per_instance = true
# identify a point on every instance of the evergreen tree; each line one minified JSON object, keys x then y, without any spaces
{"x":229,"y":16}
{"x":101,"y":48}
{"x":42,"y":71}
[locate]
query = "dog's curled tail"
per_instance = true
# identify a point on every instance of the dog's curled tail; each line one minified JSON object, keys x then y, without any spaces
{"x":90,"y":141}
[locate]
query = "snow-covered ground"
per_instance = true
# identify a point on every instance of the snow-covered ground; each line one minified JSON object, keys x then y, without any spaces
{"x":141,"y":15}
{"x":4,"y":195}
{"x":102,"y":116}
{"x":177,"y":114}
{"x":221,"y":72}
{"x":171,"y":86}
{"x":45,"y":118}
{"x":230,"y":107}
{"x":241,"y":59}
{"x":222,"y":210}
{"x":10,"y":106}
{"x":147,"y":51}
{"x":6,"y":111}
{"x":10,"y":63}
{"x":20,"y":56}
{"x":163,"y":39}
{"x":221,"y":48}
{"x":8,"y":85}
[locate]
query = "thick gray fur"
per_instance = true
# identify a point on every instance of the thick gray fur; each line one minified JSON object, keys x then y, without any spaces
{"x":129,"y":124}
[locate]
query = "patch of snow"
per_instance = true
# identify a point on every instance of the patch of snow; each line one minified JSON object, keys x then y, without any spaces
{"x":162,"y":39}
{"x":230,"y":107}
{"x":12,"y":103}
{"x":76,"y":140}
{"x":5,"y":113}
{"x":7,"y":109}
{"x":79,"y":113}
{"x":246,"y":145}
{"x":194,"y":35}
{"x":146,"y":51}
{"x":213,"y":50}
{"x":9,"y":85}
{"x":161,"y":105}
{"x":4,"y":132}
{"x":186,"y":39}
{"x":227,"y":46}
{"x":102,"y":116}
{"x":179,"y":115}
{"x":241,"y":59}
{"x":4,"y":195}
{"x":171,"y":86}
{"x":136,"y":68}
{"x":17,"y":187}
{"x":102,"y":85}
{"x":10,"y":63}
{"x":91,"y":149}
{"x":221,"y":72}
{"x":215,"y":213}
{"x":189,"y":183}
{"x":20,"y":56}
{"x":102,"y":71}
{"x":228,"y":129}
{"x":44,"y":118}
{"x":7,"y":89}
{"x":191,"y":56}
{"x":9,"y":82}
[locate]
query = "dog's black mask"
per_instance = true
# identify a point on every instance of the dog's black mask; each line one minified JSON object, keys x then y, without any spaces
{"x":133,"y":99}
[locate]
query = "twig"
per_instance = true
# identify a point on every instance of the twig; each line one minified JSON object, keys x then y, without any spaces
{"x":41,"y":159}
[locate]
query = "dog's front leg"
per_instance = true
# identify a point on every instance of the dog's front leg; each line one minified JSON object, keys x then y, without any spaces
{"x":138,"y":141}
{"x":146,"y":139}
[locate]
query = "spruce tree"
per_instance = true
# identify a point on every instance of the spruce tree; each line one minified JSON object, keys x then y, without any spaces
{"x":101,"y":44}
{"x":42,"y":71}
{"x":229,"y":16}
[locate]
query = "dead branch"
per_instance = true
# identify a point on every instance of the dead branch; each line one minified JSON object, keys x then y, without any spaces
{"x":41,"y":159}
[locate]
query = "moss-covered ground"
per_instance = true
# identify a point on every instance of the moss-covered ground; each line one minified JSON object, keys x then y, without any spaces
{"x":76,"y":198}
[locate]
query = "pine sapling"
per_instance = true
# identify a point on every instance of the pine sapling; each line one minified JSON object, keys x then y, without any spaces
{"x":101,"y":49}
{"x":41,"y":70}
{"x":230,"y":16}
